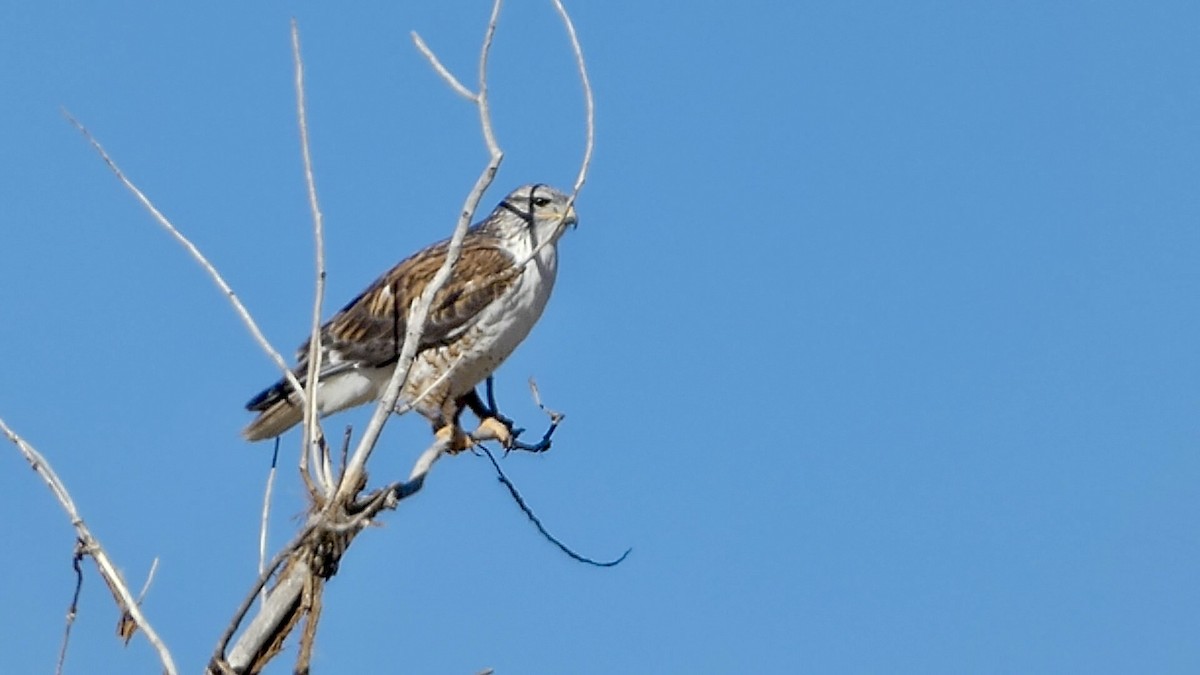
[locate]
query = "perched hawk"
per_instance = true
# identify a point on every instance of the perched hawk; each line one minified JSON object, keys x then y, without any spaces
{"x":476,"y":320}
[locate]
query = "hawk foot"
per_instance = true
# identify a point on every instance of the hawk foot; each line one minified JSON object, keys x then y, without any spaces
{"x":496,"y":428}
{"x":500,"y":429}
{"x":454,"y":439}
{"x":541,"y":446}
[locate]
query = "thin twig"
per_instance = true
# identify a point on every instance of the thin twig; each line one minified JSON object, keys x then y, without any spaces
{"x":410,"y":405}
{"x":345,"y":451}
{"x":441,"y":69}
{"x":324,"y":475}
{"x":419,"y":311}
{"x":589,"y":100}
{"x":73,"y":609}
{"x":312,"y":608}
{"x":126,"y":626}
{"x":259,"y":583}
{"x":485,"y":110}
{"x":291,"y":583}
{"x":149,"y":580}
{"x":589,"y":123}
{"x":108,"y":571}
{"x":512,"y":490}
{"x":554,"y":415}
{"x":342,"y":516}
{"x":354,"y":467}
{"x":266,"y":513}
{"x":195,"y":253}
{"x":416,"y":479}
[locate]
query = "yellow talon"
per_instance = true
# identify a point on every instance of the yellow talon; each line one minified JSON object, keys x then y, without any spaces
{"x":492,"y":429}
{"x":454,"y":439}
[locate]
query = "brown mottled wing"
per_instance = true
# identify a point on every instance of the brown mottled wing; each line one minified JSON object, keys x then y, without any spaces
{"x":370,"y":330}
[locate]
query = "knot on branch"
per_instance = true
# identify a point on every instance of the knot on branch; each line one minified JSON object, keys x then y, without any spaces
{"x":325,"y":551}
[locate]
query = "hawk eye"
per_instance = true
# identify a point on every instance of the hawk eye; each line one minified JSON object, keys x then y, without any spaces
{"x":541,"y":201}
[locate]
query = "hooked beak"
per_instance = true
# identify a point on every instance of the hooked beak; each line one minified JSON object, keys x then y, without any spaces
{"x":570,"y":218}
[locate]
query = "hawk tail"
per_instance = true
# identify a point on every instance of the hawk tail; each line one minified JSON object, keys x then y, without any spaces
{"x":273,"y":420}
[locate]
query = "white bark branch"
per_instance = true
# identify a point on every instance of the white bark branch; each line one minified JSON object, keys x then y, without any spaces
{"x":441,"y":69}
{"x":589,"y":100}
{"x":92,"y":547}
{"x":322,"y":472}
{"x":419,"y":312}
{"x":341,"y":514}
{"x":265,"y":518}
{"x":195,"y":253}
{"x":281,"y":603}
{"x":589,"y":118}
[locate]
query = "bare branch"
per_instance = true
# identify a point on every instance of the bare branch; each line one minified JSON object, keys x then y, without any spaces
{"x":300,"y":568}
{"x":311,"y":607}
{"x":312,"y":432}
{"x":441,"y":69}
{"x":91,"y":546}
{"x":266,"y":513}
{"x":284,"y":603}
{"x":420,"y":309}
{"x":554,"y":415}
{"x":485,"y":110}
{"x":73,"y":609}
{"x":411,"y":405}
{"x":589,"y":101}
{"x":195,"y":252}
{"x":149,"y":580}
{"x":416,"y":479}
{"x":260,"y":634}
{"x":259,"y":584}
{"x":589,"y":123}
{"x":279,"y":611}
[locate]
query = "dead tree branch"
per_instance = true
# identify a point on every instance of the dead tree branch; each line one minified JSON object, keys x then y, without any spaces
{"x":73,"y":609}
{"x":91,"y":547}
{"x":195,"y":253}
{"x":283,"y":607}
{"x":315,"y":555}
{"x":340,"y":509}
{"x":588,"y":99}
{"x":313,"y":438}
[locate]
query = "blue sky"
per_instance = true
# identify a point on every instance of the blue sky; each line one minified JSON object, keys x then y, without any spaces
{"x":877,"y":340}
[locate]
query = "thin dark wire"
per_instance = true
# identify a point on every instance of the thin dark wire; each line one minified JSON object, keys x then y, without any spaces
{"x":512,"y":489}
{"x":345,"y":451}
{"x":76,"y":562}
{"x":491,"y":396}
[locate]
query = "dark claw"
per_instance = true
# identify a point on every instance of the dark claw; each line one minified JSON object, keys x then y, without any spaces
{"x":514,"y":444}
{"x":541,"y":446}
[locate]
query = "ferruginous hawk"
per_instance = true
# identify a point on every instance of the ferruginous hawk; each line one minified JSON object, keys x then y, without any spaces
{"x":476,"y":320}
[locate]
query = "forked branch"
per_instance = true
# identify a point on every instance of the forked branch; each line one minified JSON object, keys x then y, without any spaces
{"x":321,"y":471}
{"x":91,"y":547}
{"x":340,"y":510}
{"x":238,"y":307}
{"x":282,"y":608}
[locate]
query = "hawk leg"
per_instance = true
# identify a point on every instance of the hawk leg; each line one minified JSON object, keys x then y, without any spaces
{"x":493,"y":425}
{"x":452,"y":435}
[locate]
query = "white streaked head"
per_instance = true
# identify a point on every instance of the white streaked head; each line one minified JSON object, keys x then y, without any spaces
{"x":537,"y":211}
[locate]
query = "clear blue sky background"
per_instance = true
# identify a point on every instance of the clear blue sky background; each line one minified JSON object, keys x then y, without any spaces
{"x":877,"y":340}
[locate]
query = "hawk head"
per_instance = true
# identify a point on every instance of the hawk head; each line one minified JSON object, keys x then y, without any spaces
{"x":536,"y":211}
